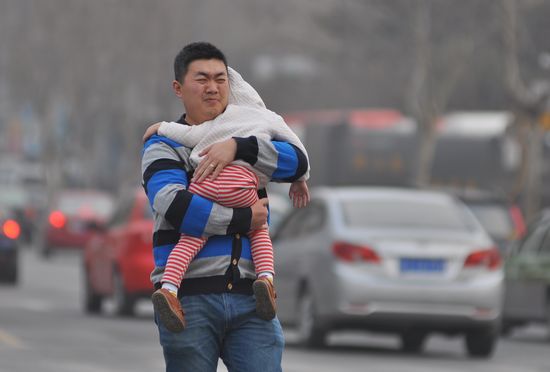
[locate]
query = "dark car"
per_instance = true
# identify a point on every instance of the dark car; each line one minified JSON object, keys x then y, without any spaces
{"x":119,"y":258}
{"x":22,"y":208}
{"x":73,"y":217}
{"x":9,"y":233}
{"x":527,"y":275}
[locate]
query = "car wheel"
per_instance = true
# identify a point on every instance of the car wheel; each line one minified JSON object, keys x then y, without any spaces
{"x":481,"y":343}
{"x":124,"y":302}
{"x":92,"y":300}
{"x":310,"y":333}
{"x":412,"y":341}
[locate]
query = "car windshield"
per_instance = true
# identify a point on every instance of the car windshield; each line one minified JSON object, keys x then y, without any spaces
{"x":92,"y":205}
{"x":406,"y":213}
{"x":494,"y":218}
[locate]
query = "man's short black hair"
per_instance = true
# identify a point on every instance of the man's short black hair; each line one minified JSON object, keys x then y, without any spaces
{"x":192,"y":52}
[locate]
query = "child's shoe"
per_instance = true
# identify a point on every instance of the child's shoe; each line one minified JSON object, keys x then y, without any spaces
{"x":265,"y":297}
{"x":168,"y":307}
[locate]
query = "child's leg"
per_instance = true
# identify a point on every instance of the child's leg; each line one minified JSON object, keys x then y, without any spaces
{"x":235,"y":187}
{"x":165,"y":300}
{"x":188,"y":246}
{"x":262,"y":252}
{"x":238,"y":188}
{"x":179,"y":259}
{"x":262,"y":255}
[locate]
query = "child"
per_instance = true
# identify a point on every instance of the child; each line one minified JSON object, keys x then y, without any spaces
{"x":235,"y":187}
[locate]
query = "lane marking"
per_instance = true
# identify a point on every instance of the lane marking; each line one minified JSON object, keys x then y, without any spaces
{"x":11,"y":340}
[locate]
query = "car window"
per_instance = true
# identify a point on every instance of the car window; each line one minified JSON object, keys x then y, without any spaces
{"x":291,"y":227}
{"x":312,"y":219}
{"x":406,"y":213}
{"x":494,"y":218}
{"x":533,"y":241}
{"x":303,"y":221}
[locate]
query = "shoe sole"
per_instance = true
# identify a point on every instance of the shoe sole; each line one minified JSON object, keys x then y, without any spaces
{"x":167,"y":317}
{"x":265,"y":309}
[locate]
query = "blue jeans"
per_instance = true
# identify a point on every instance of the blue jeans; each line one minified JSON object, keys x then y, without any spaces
{"x":223,"y":326}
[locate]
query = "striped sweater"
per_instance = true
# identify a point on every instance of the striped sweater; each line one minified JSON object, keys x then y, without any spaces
{"x":226,"y":257}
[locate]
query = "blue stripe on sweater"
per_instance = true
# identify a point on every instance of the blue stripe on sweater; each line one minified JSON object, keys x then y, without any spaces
{"x":215,"y":246}
{"x":161,"y":253}
{"x":163,"y":178}
{"x":197,"y":215}
{"x":287,"y":162}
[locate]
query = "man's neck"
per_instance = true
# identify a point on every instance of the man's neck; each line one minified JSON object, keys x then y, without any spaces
{"x":192,"y":121}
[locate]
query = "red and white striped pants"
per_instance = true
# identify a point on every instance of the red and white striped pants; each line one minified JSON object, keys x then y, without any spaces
{"x":235,"y":187}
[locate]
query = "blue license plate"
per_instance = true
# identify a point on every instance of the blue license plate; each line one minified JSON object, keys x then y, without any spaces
{"x":421,"y":265}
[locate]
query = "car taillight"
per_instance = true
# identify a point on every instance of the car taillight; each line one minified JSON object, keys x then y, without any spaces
{"x":349,"y":253}
{"x":11,"y":229}
{"x":489,"y":258}
{"x":57,"y":219}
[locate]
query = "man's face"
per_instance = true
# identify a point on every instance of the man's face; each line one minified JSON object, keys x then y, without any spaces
{"x":204,"y":91}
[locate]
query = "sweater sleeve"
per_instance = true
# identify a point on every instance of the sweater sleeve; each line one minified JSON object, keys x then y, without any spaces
{"x":282,"y":161}
{"x":165,"y":180}
{"x":187,"y":135}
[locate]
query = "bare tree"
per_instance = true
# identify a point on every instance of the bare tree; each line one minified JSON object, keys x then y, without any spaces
{"x":529,"y":105}
{"x":430,"y":92}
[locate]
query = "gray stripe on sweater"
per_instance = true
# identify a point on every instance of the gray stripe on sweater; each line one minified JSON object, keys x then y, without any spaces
{"x":217,"y":223}
{"x":161,"y":223}
{"x":161,"y":150}
{"x":267,"y":157}
{"x":165,"y":197}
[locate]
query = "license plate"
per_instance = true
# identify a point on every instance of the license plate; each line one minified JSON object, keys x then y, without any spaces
{"x":421,"y":265}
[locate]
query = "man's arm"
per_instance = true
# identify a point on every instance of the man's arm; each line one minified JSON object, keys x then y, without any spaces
{"x":165,"y":181}
{"x":282,"y":161}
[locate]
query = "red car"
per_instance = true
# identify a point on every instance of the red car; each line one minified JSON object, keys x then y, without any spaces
{"x":73,"y":218}
{"x":119,"y":258}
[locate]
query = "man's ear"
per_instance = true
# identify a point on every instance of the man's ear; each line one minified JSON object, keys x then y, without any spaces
{"x":176,"y":86}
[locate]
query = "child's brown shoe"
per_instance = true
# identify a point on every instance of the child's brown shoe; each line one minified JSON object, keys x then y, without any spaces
{"x":265,"y":298}
{"x":168,"y":307}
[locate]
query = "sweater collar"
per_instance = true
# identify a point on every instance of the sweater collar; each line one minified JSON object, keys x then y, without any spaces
{"x":182,"y":120}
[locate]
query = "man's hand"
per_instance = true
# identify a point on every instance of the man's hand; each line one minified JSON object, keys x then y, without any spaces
{"x":215,"y":158}
{"x":153,"y":129}
{"x":259,"y":214}
{"x":299,"y":194}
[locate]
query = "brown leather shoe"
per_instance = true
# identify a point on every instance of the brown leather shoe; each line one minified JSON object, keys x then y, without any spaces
{"x":265,"y":298}
{"x":168,"y":307}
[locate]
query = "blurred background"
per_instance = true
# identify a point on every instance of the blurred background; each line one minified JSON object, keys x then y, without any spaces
{"x":432,"y":94}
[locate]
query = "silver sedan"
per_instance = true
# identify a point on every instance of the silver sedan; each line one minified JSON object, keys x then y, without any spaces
{"x":402,"y":261}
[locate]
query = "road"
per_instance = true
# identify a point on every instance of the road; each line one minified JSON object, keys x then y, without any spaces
{"x":43,"y":329}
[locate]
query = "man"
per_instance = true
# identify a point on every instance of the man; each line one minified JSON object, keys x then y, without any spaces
{"x":217,"y":290}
